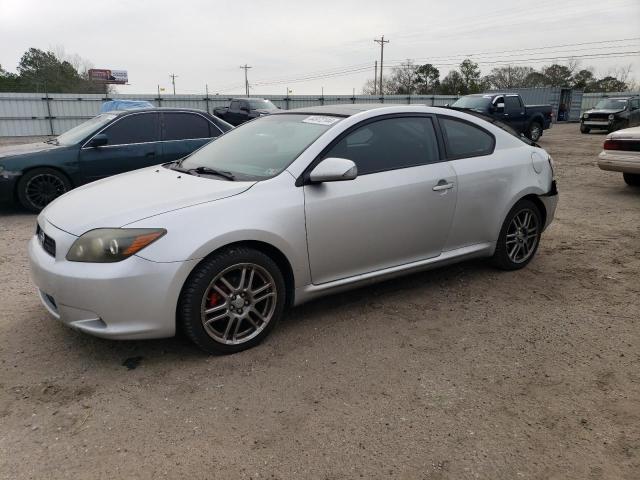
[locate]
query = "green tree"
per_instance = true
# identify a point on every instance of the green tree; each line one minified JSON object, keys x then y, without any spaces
{"x":470,"y":73}
{"x":502,"y":78}
{"x":427,"y":79}
{"x":453,"y":84}
{"x":610,"y":84}
{"x":557,"y":75}
{"x":584,"y":80}
{"x":535,"y":79}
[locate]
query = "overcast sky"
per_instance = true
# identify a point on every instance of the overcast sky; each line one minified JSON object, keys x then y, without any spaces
{"x":205,"y":42}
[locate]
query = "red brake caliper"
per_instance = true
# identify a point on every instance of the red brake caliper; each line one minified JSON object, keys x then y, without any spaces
{"x":214,"y":298}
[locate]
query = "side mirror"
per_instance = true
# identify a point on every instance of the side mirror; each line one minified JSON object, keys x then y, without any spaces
{"x":492,"y":109}
{"x":99,"y":140}
{"x":334,"y":170}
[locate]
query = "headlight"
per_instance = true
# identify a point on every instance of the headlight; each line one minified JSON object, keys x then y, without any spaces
{"x":107,"y":245}
{"x":611,"y":117}
{"x":585,"y":116}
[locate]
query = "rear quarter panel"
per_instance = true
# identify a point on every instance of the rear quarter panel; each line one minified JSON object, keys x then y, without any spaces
{"x":489,"y":186}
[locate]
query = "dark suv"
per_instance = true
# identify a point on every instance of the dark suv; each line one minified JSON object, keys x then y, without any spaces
{"x":612,"y":114}
{"x":111,"y":143}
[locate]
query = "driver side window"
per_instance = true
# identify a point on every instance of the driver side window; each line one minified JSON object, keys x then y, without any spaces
{"x":499,"y":104}
{"x":389,"y":144}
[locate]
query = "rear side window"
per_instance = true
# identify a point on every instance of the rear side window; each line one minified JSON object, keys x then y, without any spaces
{"x":183,"y":126}
{"x":465,"y":140}
{"x":389,"y":144}
{"x":138,"y":128}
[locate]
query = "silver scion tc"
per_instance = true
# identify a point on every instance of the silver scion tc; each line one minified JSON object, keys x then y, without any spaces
{"x":283,"y":209}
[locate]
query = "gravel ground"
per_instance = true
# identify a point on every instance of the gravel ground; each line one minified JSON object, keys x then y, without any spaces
{"x":460,"y":373}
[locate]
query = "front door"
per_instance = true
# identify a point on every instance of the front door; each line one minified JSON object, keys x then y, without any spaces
{"x":398,"y":210}
{"x":133,"y":142}
{"x":514,"y":112}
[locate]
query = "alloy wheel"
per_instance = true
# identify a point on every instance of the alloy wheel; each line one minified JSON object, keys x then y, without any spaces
{"x":522,"y":236}
{"x":42,"y":189}
{"x":239,"y":303}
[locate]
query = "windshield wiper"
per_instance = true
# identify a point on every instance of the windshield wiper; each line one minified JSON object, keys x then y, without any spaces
{"x":211,"y":171}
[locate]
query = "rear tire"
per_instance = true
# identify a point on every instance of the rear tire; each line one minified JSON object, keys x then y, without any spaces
{"x":584,"y":129}
{"x":632,"y":179}
{"x":519,"y":236}
{"x":40,"y":186}
{"x":232,"y":301}
{"x":534,"y":132}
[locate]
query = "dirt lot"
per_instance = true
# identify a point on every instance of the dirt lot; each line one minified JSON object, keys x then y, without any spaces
{"x":460,"y":373}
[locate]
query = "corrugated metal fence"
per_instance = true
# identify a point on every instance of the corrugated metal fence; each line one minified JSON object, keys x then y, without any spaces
{"x":38,"y":114}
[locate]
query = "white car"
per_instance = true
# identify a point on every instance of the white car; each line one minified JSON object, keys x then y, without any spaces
{"x":621,"y":153}
{"x":283,"y":209}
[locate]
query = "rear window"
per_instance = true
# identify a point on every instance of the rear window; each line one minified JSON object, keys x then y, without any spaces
{"x":466,"y":140}
{"x":183,"y":126}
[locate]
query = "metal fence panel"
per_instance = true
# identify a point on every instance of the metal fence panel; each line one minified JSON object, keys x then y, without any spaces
{"x":39,"y":114}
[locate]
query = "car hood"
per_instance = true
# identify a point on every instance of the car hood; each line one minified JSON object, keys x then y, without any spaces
{"x":26,"y":148}
{"x":127,"y":198}
{"x":607,"y":111}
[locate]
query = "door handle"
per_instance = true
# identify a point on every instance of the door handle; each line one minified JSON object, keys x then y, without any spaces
{"x":442,"y":185}
{"x":150,"y":154}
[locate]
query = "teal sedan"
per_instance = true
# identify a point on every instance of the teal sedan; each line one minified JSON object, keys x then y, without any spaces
{"x":111,"y":143}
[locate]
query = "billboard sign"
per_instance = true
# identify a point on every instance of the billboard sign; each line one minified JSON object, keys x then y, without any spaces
{"x":118,"y":77}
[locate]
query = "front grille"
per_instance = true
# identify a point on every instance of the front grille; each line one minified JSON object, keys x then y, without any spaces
{"x":48,"y":243}
{"x":598,"y":116}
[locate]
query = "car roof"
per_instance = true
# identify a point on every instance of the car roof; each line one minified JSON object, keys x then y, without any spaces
{"x":156,"y":109}
{"x":343,"y":110}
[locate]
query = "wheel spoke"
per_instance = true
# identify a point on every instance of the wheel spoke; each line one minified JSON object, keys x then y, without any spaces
{"x":260,"y":289}
{"x":243,"y":275}
{"x":216,"y":318}
{"x":264,"y":297}
{"x":215,"y":309}
{"x":225,"y":335}
{"x":220,"y":291}
{"x":227,"y":284}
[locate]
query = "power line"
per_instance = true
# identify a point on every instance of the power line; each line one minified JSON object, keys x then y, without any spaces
{"x":356,"y":68}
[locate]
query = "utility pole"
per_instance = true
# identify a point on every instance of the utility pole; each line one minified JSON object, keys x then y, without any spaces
{"x":375,"y":78}
{"x":381,"y":41}
{"x":173,"y":81}
{"x":246,"y":67}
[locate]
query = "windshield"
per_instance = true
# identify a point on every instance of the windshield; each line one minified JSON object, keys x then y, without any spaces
{"x":612,"y":104}
{"x":262,"y":105}
{"x":79,"y":133}
{"x":476,"y":103}
{"x":262,"y":148}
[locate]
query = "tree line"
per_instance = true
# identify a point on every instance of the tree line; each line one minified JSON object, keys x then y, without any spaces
{"x":48,"y":71}
{"x":412,"y":79}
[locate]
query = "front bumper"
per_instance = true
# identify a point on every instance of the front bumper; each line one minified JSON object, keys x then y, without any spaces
{"x":550,"y":202}
{"x":7,"y":187}
{"x":132,"y":299}
{"x":626,"y":162}
{"x":597,"y":124}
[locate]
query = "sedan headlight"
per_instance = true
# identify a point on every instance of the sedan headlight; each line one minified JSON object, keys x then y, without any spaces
{"x":611,"y":116}
{"x":585,"y":116}
{"x":108,"y":245}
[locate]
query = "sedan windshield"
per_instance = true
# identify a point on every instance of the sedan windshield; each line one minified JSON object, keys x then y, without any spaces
{"x":262,"y":148}
{"x":474,"y":103}
{"x":262,"y":105}
{"x":82,"y":131}
{"x":611,"y":104}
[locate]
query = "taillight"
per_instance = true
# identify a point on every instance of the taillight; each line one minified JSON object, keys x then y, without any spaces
{"x":626,"y":145}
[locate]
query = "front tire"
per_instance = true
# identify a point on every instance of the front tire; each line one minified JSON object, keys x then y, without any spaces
{"x":632,"y":179}
{"x":232,"y":301}
{"x":40,"y":186}
{"x":534,"y":132}
{"x":519,"y":237}
{"x":584,"y":129}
